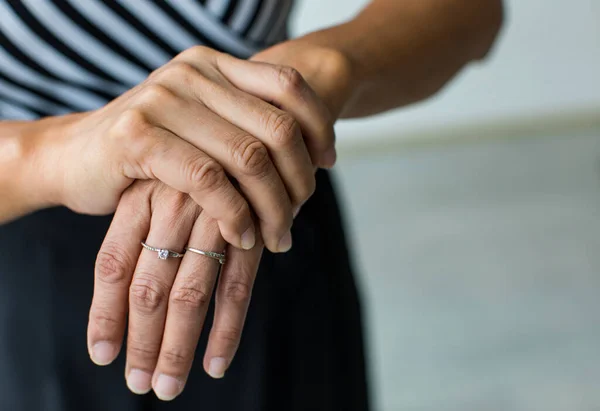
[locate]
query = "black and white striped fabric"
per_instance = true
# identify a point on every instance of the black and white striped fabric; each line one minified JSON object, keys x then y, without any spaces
{"x":61,"y":56}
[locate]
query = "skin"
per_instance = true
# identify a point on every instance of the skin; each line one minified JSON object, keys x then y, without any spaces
{"x":392,"y":54}
{"x":191,"y":124}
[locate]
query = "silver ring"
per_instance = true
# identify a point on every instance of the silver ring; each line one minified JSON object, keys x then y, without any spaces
{"x":210,"y":254}
{"x":163,"y":253}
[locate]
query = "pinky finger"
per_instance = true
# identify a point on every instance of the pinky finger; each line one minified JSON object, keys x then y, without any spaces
{"x":232,"y":299}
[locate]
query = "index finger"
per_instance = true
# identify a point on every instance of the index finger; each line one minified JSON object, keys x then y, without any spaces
{"x":115,"y":263}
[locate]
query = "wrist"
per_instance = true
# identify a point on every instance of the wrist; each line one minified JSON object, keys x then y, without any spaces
{"x":37,"y":180}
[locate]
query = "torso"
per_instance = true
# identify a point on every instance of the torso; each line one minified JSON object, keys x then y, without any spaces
{"x":60,"y":56}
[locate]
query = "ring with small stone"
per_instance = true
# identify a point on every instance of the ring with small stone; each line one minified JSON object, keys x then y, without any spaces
{"x":210,"y":254}
{"x":163,"y":253}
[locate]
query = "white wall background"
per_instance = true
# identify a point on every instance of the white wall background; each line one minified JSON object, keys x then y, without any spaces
{"x":479,"y":262}
{"x":479,"y":268}
{"x":546,"y":64}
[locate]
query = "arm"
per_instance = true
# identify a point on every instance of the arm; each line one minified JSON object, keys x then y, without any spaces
{"x":395,"y":52}
{"x":23,"y":176}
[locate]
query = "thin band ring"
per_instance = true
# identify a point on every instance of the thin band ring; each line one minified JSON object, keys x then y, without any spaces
{"x":210,"y":254}
{"x":163,"y":253}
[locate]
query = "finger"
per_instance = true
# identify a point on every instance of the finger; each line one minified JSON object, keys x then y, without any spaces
{"x":153,"y":278}
{"x":164,"y":156}
{"x":232,"y":299}
{"x":286,"y":88}
{"x":246,"y":159}
{"x":114,"y":268}
{"x":275,"y":128}
{"x":188,"y":304}
{"x":278,"y":131}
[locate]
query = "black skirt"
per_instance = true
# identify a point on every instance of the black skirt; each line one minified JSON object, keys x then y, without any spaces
{"x":302,"y":347}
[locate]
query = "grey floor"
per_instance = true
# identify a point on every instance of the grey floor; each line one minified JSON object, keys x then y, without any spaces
{"x":480,"y":266}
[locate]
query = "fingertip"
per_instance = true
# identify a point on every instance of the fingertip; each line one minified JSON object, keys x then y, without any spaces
{"x":275,"y":242}
{"x":272,"y":245}
{"x":248,"y":239}
{"x":139,"y":382}
{"x":285,"y":244}
{"x":329,"y":157}
{"x":103,"y":353}
{"x":217,"y":367}
{"x":167,"y":388}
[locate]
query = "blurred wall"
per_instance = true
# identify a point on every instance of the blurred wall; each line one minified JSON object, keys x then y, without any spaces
{"x":478,"y":262}
{"x":546,"y":65}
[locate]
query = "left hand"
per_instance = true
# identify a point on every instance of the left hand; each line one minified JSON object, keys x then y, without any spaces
{"x":166,"y":300}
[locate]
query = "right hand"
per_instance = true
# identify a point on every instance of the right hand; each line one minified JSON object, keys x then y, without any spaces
{"x":163,"y":304}
{"x":193,"y":123}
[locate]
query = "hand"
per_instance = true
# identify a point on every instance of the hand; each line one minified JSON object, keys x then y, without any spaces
{"x":192,"y":124}
{"x":156,"y":286}
{"x":168,"y":299}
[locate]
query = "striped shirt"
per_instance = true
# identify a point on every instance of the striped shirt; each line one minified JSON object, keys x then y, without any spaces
{"x":62,"y":56}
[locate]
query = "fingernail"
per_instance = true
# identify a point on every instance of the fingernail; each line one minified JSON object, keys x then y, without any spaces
{"x":330,"y":157}
{"x":286,"y":243}
{"x":103,"y":353}
{"x":217,"y":367}
{"x":139,"y":382}
{"x":248,"y":239}
{"x":167,"y":388}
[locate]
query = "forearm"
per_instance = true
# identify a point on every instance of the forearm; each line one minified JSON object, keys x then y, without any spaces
{"x":396,"y":51}
{"x":24,"y":179}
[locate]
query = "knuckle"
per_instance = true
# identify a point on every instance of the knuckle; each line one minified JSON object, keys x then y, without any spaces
{"x":237,"y":291}
{"x":141,"y":189}
{"x":142,"y":351}
{"x":250,"y":156}
{"x":147,"y":294}
{"x":283,"y":129}
{"x":176,"y":202}
{"x":204,"y":174}
{"x":290,"y":80}
{"x":156,"y":93}
{"x":131,"y":124}
{"x":190,"y":297}
{"x":112,"y":264}
{"x":195,"y":52}
{"x":181,"y":71}
{"x":230,"y":335}
{"x":240,"y":210}
{"x":177,"y":357}
{"x":105,"y":321}
{"x":179,"y":210}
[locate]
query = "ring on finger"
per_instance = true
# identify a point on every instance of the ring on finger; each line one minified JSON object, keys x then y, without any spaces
{"x":163,"y":253}
{"x":210,"y":254}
